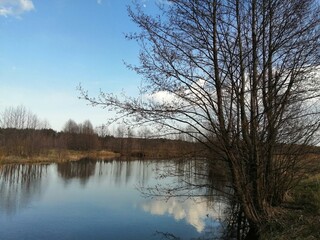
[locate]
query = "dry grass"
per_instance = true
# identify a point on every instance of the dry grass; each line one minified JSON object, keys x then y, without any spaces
{"x":58,"y":156}
{"x":300,"y":218}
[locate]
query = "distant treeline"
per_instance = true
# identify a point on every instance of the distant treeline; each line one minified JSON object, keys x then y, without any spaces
{"x":23,"y":134}
{"x":33,"y":142}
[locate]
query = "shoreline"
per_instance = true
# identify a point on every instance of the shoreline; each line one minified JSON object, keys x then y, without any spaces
{"x":297,"y":217}
{"x":58,"y":156}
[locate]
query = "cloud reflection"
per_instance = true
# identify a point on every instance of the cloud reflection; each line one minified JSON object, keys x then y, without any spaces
{"x":196,"y":212}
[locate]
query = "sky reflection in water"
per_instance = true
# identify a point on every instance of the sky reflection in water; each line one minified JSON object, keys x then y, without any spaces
{"x":95,"y":200}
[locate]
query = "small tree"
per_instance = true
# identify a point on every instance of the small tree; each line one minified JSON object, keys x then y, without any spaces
{"x":241,"y":77}
{"x":21,"y":136}
{"x":71,"y":127}
{"x":87,"y":127}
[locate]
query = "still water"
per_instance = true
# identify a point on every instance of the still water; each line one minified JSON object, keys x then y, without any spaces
{"x":99,"y":200}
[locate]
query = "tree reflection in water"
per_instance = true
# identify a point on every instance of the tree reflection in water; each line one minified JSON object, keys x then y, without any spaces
{"x":118,"y":172}
{"x":187,"y":190}
{"x":19,"y":185}
{"x":122,"y":173}
{"x":82,"y":169}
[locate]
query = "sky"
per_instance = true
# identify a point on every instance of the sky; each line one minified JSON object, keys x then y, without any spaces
{"x":48,"y":48}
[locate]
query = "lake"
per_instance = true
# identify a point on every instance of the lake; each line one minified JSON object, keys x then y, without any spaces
{"x":100,"y":200}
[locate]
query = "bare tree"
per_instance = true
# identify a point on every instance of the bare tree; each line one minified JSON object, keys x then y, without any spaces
{"x":22,"y":136}
{"x":87,"y":127}
{"x":71,"y":127}
{"x":102,"y":131}
{"x":241,"y":77}
{"x":80,"y":136}
{"x":20,"y":118}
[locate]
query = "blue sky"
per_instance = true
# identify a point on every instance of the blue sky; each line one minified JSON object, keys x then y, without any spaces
{"x":48,"y":47}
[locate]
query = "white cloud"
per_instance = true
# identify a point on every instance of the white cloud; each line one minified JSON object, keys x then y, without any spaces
{"x":162,"y":97}
{"x":197,"y":89}
{"x":193,"y":212}
{"x":26,"y":5}
{"x":15,"y":7}
{"x":99,"y":2}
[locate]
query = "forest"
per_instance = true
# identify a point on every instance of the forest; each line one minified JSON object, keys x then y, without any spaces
{"x":35,"y":142}
{"x":24,"y":135}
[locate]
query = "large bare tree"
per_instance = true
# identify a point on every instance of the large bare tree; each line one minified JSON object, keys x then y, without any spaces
{"x":241,"y":76}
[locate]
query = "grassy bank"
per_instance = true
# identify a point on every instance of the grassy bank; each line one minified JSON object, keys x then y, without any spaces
{"x":300,"y":218}
{"x":58,"y":156}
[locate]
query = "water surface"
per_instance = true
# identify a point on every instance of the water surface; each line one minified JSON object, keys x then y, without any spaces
{"x":98,"y":200}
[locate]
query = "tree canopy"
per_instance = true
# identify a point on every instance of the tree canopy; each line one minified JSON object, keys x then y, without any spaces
{"x":242,"y":77}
